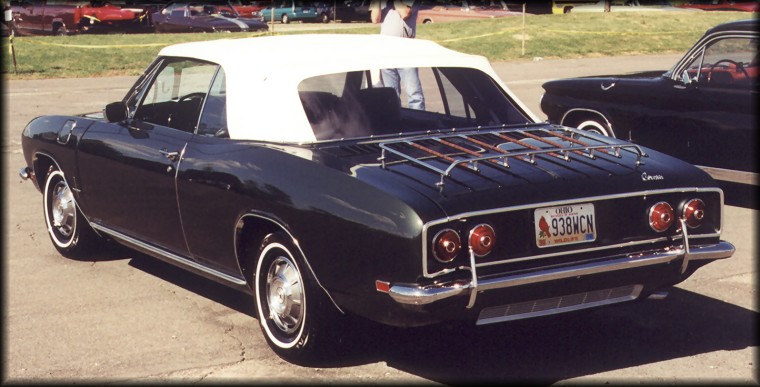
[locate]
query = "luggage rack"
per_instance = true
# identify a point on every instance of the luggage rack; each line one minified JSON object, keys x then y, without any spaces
{"x":467,"y":150}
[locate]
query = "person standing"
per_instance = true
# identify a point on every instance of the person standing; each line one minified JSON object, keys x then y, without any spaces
{"x":399,"y":18}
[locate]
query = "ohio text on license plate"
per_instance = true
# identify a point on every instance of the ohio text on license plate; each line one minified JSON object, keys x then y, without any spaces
{"x":564,"y":225}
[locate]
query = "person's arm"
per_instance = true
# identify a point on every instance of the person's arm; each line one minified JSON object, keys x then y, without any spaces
{"x":375,"y":11}
{"x":404,"y":10}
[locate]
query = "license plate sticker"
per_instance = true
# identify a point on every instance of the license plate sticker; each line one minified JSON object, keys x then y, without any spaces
{"x":564,"y":225}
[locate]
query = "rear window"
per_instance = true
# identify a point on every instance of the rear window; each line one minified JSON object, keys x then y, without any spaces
{"x":363,"y":103}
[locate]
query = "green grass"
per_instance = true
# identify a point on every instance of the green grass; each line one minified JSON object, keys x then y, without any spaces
{"x":547,"y":36}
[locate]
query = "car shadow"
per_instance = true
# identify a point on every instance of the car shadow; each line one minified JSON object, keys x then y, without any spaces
{"x":553,"y":348}
{"x":541,"y":350}
{"x":197,"y":284}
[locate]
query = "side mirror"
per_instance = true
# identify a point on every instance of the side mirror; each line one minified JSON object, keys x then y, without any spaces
{"x":116,"y":112}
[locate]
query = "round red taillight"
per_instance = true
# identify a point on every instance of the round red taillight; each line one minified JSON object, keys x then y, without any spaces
{"x":661,"y":216}
{"x":482,"y":240}
{"x":694,"y":212}
{"x":446,"y":245}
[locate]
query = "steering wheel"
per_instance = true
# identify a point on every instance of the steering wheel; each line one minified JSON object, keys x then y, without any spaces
{"x":736,"y":65}
{"x":197,"y":95}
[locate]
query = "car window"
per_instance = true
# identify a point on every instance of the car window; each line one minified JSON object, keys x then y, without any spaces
{"x":213,"y":120}
{"x":726,"y":63}
{"x":175,"y":97}
{"x":178,"y":12}
{"x":358,"y":104}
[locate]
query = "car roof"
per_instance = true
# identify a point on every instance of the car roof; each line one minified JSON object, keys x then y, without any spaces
{"x":263,"y":73}
{"x":738,"y":25}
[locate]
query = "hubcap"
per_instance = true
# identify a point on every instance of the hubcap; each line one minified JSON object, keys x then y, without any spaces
{"x":63,"y":209}
{"x":285,"y":296}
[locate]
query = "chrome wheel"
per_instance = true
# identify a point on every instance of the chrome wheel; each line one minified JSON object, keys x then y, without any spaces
{"x":63,"y":209}
{"x":60,"y":211}
{"x":68,"y":230}
{"x":285,"y":296}
{"x":299,"y":323}
{"x":281,"y":295}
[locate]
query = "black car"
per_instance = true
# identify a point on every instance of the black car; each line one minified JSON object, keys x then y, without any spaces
{"x":204,"y":16}
{"x":703,"y":110}
{"x":314,"y":188}
{"x":349,"y":10}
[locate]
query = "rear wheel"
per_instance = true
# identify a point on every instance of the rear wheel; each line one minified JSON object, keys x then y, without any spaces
{"x":293,"y":313}
{"x":285,"y":18}
{"x":68,"y":230}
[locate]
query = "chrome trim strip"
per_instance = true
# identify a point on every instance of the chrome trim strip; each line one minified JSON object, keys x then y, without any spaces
{"x":471,"y":214}
{"x":168,"y":255}
{"x":731,"y":175}
{"x":591,"y":249}
{"x":421,"y":295}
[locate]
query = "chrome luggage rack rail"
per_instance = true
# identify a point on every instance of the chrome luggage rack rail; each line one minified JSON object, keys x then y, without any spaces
{"x":556,"y":141}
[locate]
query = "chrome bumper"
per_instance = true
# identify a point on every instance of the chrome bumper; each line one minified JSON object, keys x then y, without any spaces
{"x":26,"y":173}
{"x":421,"y":295}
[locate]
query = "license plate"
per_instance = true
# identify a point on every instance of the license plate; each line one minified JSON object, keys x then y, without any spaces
{"x":564,"y":225}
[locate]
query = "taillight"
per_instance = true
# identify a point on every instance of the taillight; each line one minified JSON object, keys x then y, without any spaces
{"x":694,"y":212}
{"x":446,"y":245}
{"x":482,"y":240}
{"x":661,"y":216}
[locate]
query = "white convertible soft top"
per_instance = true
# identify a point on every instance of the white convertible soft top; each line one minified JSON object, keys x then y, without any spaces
{"x":263,"y":73}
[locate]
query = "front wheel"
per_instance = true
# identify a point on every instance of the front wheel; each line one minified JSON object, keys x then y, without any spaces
{"x":293,"y":313}
{"x":68,"y":230}
{"x":595,"y":126}
{"x":60,"y":30}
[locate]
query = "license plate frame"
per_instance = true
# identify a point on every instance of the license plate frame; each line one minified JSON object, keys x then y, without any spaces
{"x":564,"y":225}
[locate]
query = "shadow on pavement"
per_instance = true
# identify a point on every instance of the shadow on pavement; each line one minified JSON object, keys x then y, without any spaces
{"x":542,"y":350}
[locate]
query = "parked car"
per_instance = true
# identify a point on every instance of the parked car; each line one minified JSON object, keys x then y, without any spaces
{"x":247,"y":8}
{"x":64,"y":17}
{"x":349,"y":10}
{"x":626,"y":6}
{"x":702,"y":110}
{"x":303,"y":182}
{"x":291,"y":10}
{"x":207,"y":16}
{"x":723,"y":5}
{"x":437,"y":11}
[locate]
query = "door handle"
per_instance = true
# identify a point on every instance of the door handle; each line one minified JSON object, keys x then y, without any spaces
{"x":169,"y":155}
